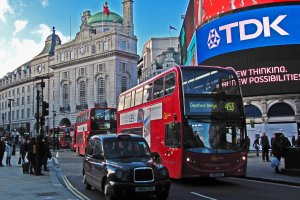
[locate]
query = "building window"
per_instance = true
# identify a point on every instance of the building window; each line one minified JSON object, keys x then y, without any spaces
{"x":23,"y":101}
{"x":22,"y":114}
{"x":18,"y":91}
{"x":101,"y":91}
{"x":9,"y":94}
{"x":18,"y":101}
{"x":28,"y":88}
{"x":18,"y":114}
{"x":123,"y":84}
{"x":72,"y":55}
{"x":66,"y":75}
{"x":28,"y":99}
{"x":123,"y":47}
{"x":13,"y":115}
{"x":66,"y":95}
{"x":93,"y":51}
{"x":13,"y":92}
{"x":82,"y":93}
{"x":105,"y":46}
{"x":23,"y":89}
{"x":62,"y":57}
{"x":123,"y":67}
{"x":28,"y":112}
{"x":82,"y":71}
{"x":101,"y":67}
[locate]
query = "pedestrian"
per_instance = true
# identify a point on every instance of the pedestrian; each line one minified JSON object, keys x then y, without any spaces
{"x":39,"y":155}
{"x":293,"y":141}
{"x":9,"y":151}
{"x":256,"y":146}
{"x":277,"y":148}
{"x":248,"y":143}
{"x":47,"y":154}
{"x":2,"y":150}
{"x":23,"y":149}
{"x":298,"y":141}
{"x":31,"y":155}
{"x":265,"y":145}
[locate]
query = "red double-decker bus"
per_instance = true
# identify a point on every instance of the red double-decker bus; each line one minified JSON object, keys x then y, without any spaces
{"x":193,"y":117}
{"x":62,"y":136}
{"x":93,"y":121}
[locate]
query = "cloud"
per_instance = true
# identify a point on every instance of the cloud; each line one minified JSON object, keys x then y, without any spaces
{"x":5,"y":8}
{"x":44,"y":3}
{"x":14,"y":52}
{"x":19,"y":26}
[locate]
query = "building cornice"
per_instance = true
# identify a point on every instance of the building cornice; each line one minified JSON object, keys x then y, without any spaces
{"x":28,"y":80}
{"x":95,"y":57}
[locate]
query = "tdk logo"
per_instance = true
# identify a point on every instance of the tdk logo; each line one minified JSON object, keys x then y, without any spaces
{"x":262,"y":27}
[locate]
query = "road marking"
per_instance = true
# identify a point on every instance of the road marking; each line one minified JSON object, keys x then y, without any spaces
{"x":56,"y":154}
{"x":74,"y":190}
{"x":200,"y":195}
{"x":266,"y":182}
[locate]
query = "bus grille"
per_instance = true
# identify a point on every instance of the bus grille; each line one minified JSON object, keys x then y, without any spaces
{"x":143,"y":175}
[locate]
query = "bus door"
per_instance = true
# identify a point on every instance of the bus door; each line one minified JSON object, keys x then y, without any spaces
{"x":172,"y":157}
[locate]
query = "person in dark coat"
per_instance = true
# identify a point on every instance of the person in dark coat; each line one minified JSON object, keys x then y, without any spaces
{"x":256,"y":146}
{"x":277,"y":148}
{"x":293,"y":141}
{"x":31,"y":155}
{"x":265,"y":145}
{"x":2,"y":150}
{"x":39,"y":155}
{"x":47,"y":153}
{"x":23,"y":150}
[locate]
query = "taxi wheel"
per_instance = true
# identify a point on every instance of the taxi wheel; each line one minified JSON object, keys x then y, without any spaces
{"x":163,"y":195}
{"x":87,"y":186}
{"x":108,"y":192}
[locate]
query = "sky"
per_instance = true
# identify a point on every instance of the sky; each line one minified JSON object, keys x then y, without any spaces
{"x":25,"y":24}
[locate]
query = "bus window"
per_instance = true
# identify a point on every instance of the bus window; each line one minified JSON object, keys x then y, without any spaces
{"x":121,"y":103}
{"x":127,"y":101}
{"x":158,"y":88}
{"x":169,"y":83}
{"x":147,"y":93}
{"x":139,"y":96}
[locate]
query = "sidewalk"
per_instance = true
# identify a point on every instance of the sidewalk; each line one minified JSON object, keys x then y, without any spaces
{"x":18,"y":186}
{"x":259,"y":170}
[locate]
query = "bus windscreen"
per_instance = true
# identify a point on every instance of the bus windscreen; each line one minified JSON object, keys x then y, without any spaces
{"x":209,"y":81}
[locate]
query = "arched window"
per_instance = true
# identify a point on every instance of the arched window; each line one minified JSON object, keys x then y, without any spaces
{"x":82,"y":93}
{"x":62,"y":57}
{"x":72,"y":55}
{"x":66,"y":95}
{"x":280,"y":110}
{"x":105,"y":46}
{"x":101,"y":91}
{"x":123,"y":83}
{"x":252,"y":111}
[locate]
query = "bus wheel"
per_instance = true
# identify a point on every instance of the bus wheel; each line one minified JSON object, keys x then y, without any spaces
{"x":87,"y":186}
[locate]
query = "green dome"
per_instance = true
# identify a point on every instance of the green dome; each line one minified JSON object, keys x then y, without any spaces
{"x":100,"y":17}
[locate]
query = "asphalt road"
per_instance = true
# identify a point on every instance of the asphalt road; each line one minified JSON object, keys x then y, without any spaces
{"x":187,"y":189}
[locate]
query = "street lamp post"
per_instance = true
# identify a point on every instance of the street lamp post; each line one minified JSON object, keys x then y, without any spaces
{"x":53,"y":132}
{"x":9,"y":104}
{"x":3,"y":117}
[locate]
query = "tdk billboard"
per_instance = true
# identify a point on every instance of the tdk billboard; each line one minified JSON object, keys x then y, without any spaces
{"x":272,"y":26}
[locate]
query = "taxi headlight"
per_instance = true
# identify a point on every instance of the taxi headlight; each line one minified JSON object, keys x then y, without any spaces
{"x":119,"y":174}
{"x":163,"y":172}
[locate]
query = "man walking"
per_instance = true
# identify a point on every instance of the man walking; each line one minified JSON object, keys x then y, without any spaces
{"x":264,"y":141}
{"x":2,"y":150}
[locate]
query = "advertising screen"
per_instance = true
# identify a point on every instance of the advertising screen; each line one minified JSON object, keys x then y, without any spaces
{"x":262,"y":27}
{"x":264,"y":71}
{"x":208,"y":9}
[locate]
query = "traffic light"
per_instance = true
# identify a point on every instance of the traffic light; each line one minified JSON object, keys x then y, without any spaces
{"x":45,"y":109}
{"x":42,"y":120}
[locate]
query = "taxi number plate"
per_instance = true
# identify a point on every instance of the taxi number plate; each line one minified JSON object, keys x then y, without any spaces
{"x":145,"y":189}
{"x":217,"y":174}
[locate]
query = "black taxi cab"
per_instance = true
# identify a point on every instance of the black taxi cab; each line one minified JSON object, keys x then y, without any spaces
{"x":123,"y":165}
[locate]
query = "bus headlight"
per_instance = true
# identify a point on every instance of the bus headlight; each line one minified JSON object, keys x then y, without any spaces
{"x":243,"y":158}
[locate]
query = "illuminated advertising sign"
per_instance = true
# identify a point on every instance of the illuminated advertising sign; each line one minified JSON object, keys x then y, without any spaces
{"x":262,"y":27}
{"x":207,"y":9}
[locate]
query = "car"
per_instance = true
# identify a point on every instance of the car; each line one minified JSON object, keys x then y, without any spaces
{"x":123,"y":165}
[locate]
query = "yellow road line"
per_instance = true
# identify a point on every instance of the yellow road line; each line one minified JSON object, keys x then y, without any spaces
{"x":74,"y":190}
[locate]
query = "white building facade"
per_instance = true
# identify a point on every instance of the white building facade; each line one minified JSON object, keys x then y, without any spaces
{"x":89,"y":71}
